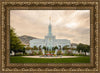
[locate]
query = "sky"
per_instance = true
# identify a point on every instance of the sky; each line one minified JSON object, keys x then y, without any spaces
{"x":73,"y":25}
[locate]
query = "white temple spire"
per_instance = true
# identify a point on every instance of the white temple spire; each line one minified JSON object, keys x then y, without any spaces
{"x":50,"y":27}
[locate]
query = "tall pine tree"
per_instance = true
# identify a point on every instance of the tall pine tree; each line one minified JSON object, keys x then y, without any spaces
{"x":15,"y":43}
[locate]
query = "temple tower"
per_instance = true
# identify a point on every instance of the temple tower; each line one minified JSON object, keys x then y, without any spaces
{"x":50,"y":28}
{"x":49,"y":38}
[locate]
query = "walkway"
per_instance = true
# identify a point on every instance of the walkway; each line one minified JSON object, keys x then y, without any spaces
{"x":50,"y":57}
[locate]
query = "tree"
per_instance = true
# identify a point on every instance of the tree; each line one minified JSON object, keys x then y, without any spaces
{"x":35,"y":48}
{"x":79,"y":47}
{"x":44,"y":47}
{"x":65,"y":47}
{"x":28,"y":48}
{"x":55,"y":47}
{"x":83,"y":47}
{"x":40,"y":47}
{"x":60,"y":47}
{"x":23,"y":50}
{"x":86,"y":48}
{"x":15,"y":43}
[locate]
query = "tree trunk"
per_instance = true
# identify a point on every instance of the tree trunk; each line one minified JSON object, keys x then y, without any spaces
{"x":15,"y":53}
{"x":85,"y":53}
{"x":23,"y":53}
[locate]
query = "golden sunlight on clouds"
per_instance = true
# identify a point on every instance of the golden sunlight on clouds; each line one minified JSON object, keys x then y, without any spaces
{"x":66,"y":24}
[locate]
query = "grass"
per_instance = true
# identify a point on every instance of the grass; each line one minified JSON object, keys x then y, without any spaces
{"x":19,"y":59}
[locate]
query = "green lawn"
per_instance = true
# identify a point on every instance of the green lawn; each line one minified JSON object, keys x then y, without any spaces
{"x":19,"y":59}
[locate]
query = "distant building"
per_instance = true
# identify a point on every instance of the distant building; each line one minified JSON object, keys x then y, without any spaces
{"x":50,"y":41}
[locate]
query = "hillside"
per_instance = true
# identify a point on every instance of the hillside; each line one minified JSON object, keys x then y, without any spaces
{"x":25,"y":39}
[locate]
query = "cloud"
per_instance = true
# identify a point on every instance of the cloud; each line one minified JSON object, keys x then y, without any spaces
{"x":66,"y":24}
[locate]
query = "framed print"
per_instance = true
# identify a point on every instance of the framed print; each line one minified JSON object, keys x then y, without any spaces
{"x":49,"y":36}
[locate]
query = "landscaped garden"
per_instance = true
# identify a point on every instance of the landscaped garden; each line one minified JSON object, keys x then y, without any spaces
{"x":20,"y":51}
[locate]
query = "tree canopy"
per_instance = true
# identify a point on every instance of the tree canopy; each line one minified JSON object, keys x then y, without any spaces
{"x":83,"y":47}
{"x":44,"y":47}
{"x":65,"y":47}
{"x":55,"y":47}
{"x":15,"y":43}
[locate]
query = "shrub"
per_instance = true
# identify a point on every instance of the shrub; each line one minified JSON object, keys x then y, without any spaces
{"x":55,"y":55}
{"x":25,"y":54}
{"x":28,"y":48}
{"x":19,"y":54}
{"x":50,"y":52}
{"x":40,"y":53}
{"x":59,"y":52}
{"x":34,"y":53}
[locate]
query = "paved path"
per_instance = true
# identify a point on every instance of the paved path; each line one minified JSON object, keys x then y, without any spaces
{"x":50,"y":57}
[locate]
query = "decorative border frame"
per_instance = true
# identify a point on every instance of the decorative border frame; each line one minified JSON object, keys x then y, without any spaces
{"x":54,"y":5}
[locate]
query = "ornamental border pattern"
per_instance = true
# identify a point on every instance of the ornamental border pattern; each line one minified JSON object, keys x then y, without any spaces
{"x":49,"y":4}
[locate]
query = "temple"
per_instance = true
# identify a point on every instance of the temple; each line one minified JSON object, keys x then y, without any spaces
{"x":50,"y":41}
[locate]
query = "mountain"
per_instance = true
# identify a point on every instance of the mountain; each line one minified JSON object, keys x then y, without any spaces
{"x":25,"y":39}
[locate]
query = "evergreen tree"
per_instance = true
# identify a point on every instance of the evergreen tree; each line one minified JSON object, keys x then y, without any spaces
{"x":15,"y":43}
